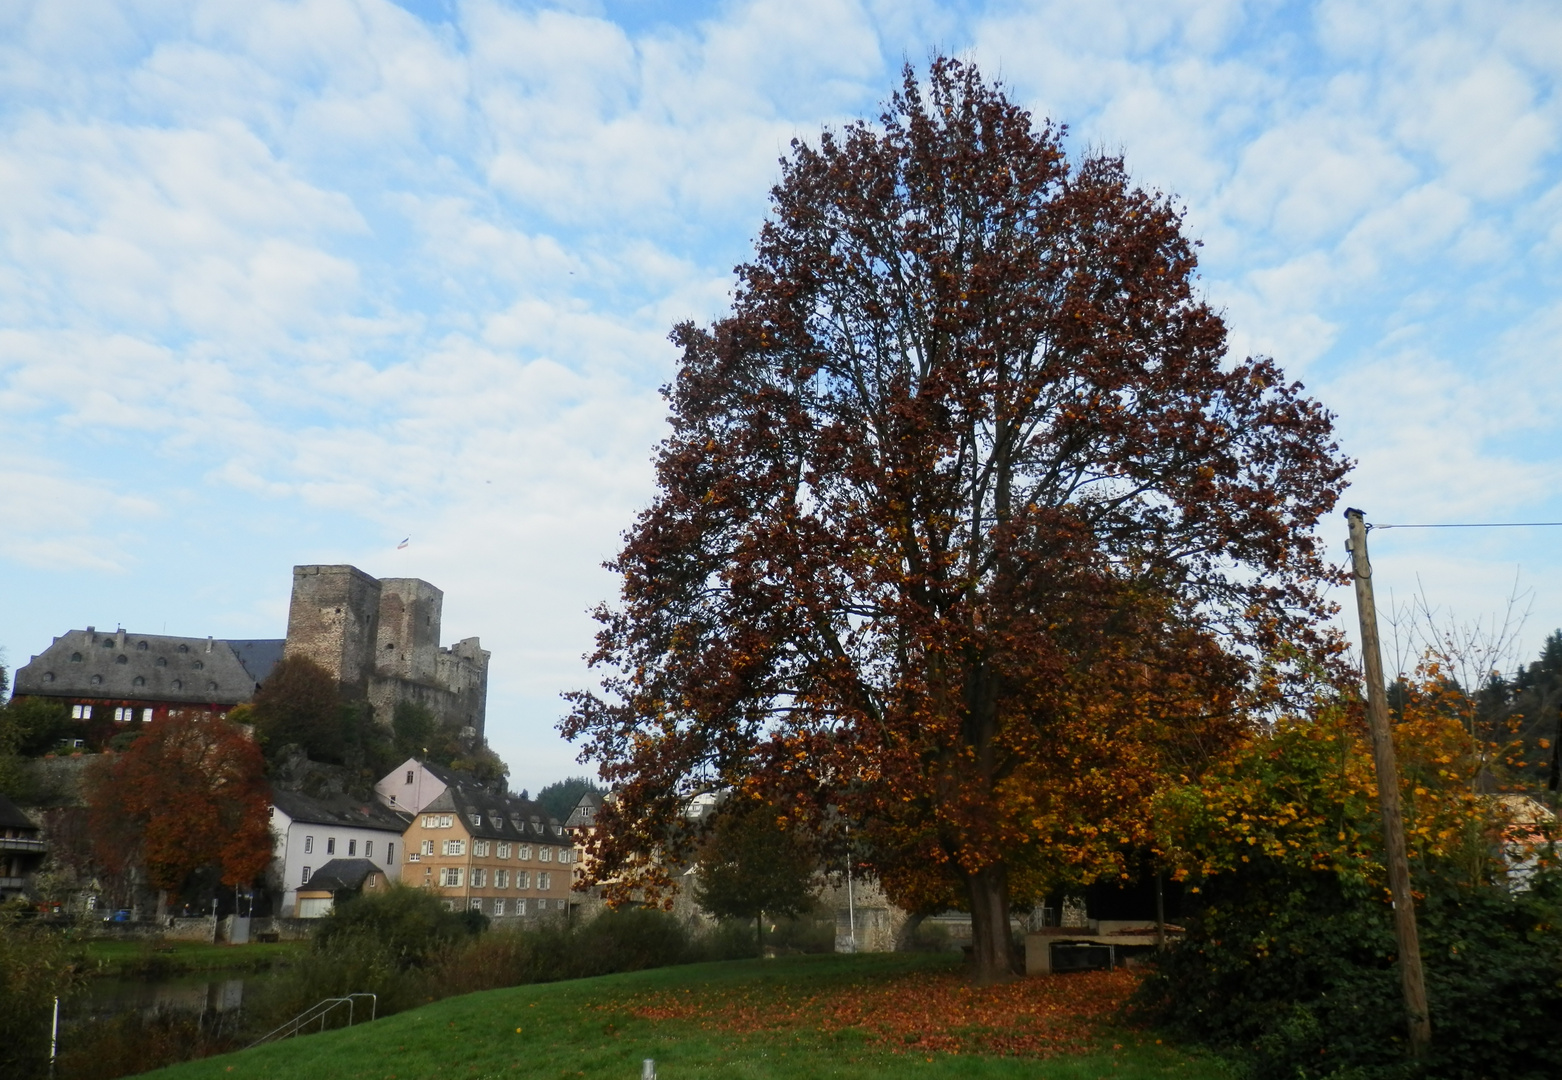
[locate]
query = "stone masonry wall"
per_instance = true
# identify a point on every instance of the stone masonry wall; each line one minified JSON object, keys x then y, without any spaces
{"x":334,"y":620}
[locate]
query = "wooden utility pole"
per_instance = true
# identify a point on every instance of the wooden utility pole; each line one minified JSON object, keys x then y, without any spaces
{"x":1411,"y":979}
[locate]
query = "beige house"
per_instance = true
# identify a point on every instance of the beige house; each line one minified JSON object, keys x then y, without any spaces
{"x":497,"y":854}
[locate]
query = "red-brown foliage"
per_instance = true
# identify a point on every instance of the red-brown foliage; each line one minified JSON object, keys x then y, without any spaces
{"x":189,"y":793}
{"x":968,"y":529}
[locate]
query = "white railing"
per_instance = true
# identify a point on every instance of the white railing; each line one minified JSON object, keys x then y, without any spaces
{"x":318,"y":1011}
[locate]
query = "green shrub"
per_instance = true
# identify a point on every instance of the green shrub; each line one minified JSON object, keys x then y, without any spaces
{"x":1295,"y":973}
{"x":36,"y":964}
{"x":409,"y":924}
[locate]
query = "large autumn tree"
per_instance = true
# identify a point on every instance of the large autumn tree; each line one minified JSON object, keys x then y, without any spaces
{"x":968,"y":528}
{"x":188,"y":795}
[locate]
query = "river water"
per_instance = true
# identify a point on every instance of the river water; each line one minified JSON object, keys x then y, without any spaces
{"x":212,"y":995}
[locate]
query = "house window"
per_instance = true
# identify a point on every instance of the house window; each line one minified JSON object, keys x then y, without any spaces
{"x":75,"y":657}
{"x":97,"y":680}
{"x":409,"y":776}
{"x":330,"y":845}
{"x":476,"y":904}
{"x":178,"y":684}
{"x":305,"y":879}
{"x":162,"y":661}
{"x":390,"y":854}
{"x":545,"y":854}
{"x":141,"y":646}
{"x":81,"y":712}
{"x":199,"y":666}
{"x":368,"y":849}
{"x":526,"y":852}
{"x":309,"y":845}
{"x":451,"y":876}
{"x":480,"y":848}
{"x":520,"y":907}
{"x":455,"y":847}
{"x":498,"y":905}
{"x":446,"y":820}
{"x":504,"y":851}
{"x":352,"y":847}
{"x":373,"y":882}
{"x":477,"y":820}
{"x":523,"y":880}
{"x":501,"y":879}
{"x":121,"y":659}
{"x":430,"y":821}
{"x":544,"y":881}
{"x":450,"y":905}
{"x":123,"y":715}
{"x":428,"y":847}
{"x":184,"y":648}
{"x":139,"y":680}
{"x":146,"y":716}
{"x":478,"y":877}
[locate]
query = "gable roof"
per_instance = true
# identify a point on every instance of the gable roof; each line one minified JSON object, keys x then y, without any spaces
{"x":487,"y":816}
{"x":258,"y":655}
{"x":137,"y":667}
{"x":584,"y":816}
{"x":11,"y":816}
{"x":341,"y":874}
{"x":342,"y":810}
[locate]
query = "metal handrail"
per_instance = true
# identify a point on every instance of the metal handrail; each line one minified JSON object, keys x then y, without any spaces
{"x":319,"y":1011}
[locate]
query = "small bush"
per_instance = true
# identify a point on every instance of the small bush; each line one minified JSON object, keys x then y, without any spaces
{"x":36,"y":964}
{"x":1295,"y":973}
{"x":409,"y":924}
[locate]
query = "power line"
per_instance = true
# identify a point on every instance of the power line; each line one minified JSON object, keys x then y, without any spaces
{"x":1477,"y":525}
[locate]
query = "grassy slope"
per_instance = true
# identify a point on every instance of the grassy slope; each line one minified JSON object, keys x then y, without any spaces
{"x":582,"y":1029}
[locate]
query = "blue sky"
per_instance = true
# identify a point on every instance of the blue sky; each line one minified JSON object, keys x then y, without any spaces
{"x":287,"y":282}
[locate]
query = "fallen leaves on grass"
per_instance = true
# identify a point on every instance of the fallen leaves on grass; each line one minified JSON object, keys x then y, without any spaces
{"x":923,"y":1013}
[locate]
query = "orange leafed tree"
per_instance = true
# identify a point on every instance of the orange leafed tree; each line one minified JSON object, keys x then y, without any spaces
{"x":968,"y":528}
{"x":189,"y":794}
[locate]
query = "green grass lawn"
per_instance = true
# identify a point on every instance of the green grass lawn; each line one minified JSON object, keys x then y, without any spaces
{"x":590,"y":1028}
{"x":114,"y":957}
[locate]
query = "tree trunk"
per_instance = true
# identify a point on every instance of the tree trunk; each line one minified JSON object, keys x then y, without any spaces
{"x":906,"y":938}
{"x":991,"y":950}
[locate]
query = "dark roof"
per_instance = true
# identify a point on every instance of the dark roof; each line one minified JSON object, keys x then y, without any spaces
{"x":498,"y":817}
{"x":87,"y":664}
{"x":341,"y":810}
{"x":341,"y":875}
{"x":584,"y":816}
{"x":258,"y":655}
{"x":11,"y":817}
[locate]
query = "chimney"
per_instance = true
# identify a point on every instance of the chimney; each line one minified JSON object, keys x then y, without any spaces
{"x":208,"y":643}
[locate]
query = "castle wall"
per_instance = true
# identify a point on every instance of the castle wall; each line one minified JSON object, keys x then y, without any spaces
{"x":408,"y":639}
{"x":334,"y":620}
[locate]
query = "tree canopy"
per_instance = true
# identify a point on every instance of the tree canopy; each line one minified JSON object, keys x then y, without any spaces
{"x":968,"y":529}
{"x":188,"y":795}
{"x":755,"y":861}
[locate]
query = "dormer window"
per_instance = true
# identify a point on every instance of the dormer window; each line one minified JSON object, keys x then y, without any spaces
{"x":139,"y":680}
{"x":184,"y":648}
{"x":200,"y":665}
{"x":121,"y":659}
{"x":177,"y":685}
{"x":162,"y":661}
{"x":477,"y":820}
{"x":108,"y":643}
{"x":97,"y":680}
{"x":75,"y":657}
{"x":48,"y":676}
{"x":141,"y":646}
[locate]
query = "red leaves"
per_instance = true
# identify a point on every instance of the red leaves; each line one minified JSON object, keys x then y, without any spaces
{"x":921,"y":1013}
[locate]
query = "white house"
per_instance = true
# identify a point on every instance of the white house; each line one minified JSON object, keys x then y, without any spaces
{"x":310,"y":832}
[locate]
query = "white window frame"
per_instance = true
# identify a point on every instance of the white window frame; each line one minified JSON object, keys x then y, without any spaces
{"x":525,"y":852}
{"x":368,"y":849}
{"x":309,"y":845}
{"x":450,"y":877}
{"x":479,"y":876}
{"x":428,"y":847}
{"x":305,"y":879}
{"x":475,"y":904}
{"x":81,"y":712}
{"x":545,"y":854}
{"x":498,"y":906}
{"x":544,"y":881}
{"x":480,"y":848}
{"x":504,"y":850}
{"x":501,"y":879}
{"x":352,"y":847}
{"x":446,"y":821}
{"x":523,"y":879}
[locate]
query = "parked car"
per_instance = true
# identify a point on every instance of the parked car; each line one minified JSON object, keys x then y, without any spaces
{"x":122,"y":915}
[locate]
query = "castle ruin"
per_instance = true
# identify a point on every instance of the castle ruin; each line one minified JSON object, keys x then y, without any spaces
{"x":380,"y":638}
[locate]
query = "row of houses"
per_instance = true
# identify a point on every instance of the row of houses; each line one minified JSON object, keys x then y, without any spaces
{"x":431,"y":828}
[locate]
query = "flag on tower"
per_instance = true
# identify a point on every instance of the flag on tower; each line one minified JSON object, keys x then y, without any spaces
{"x":404,"y":543}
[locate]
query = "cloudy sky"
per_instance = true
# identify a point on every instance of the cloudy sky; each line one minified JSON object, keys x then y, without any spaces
{"x":288,"y":282}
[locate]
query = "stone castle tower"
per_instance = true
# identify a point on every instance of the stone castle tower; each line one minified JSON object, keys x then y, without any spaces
{"x":380,"y":638}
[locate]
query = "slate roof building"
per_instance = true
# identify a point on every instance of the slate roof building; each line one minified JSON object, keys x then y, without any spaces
{"x":336,"y":881}
{"x":490,"y":852}
{"x":112,"y":680}
{"x":22,"y":850}
{"x":312,"y":832}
